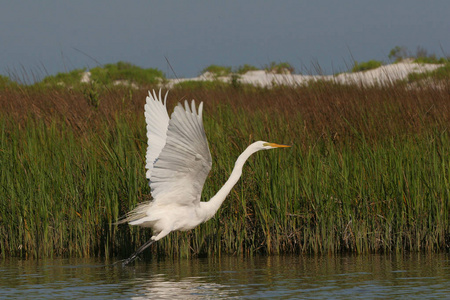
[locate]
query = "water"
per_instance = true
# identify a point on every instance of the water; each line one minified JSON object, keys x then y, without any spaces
{"x":303,"y":277}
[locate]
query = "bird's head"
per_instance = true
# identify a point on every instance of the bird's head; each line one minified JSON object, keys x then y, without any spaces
{"x":266,"y":145}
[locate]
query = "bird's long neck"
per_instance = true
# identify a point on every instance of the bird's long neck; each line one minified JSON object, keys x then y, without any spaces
{"x":213,"y":205}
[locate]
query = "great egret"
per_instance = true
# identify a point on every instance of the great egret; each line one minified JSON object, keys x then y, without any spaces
{"x":177,"y":162}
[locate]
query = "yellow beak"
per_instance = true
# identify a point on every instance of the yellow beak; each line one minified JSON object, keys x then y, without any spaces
{"x":276,"y":145}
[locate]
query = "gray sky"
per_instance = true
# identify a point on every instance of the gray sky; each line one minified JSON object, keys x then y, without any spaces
{"x":46,"y":37}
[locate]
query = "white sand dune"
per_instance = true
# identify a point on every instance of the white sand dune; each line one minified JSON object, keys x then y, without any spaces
{"x":383,"y":75}
{"x":380,"y":76}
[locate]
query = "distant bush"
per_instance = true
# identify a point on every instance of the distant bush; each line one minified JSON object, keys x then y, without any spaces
{"x":217,"y":70}
{"x":442,"y":73}
{"x":423,"y":57}
{"x":246,"y":68}
{"x":398,"y":53}
{"x":279,"y":68}
{"x":431,"y":60}
{"x":64,"y":79}
{"x":368,"y":65}
{"x":127,"y":72}
{"x":5,"y":82}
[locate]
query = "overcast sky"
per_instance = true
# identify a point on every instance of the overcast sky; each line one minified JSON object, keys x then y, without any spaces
{"x":46,"y":37}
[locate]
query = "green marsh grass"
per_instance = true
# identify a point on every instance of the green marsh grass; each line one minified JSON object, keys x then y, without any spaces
{"x":368,"y":171}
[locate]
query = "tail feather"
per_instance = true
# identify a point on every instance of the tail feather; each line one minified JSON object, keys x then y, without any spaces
{"x":137,"y":213}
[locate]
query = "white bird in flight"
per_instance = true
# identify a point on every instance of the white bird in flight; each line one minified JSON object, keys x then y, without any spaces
{"x":177,"y":162}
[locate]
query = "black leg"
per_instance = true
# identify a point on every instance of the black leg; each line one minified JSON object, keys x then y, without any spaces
{"x":138,"y":251}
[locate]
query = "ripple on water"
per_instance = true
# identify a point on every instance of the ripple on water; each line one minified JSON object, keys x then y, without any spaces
{"x":307,"y":277}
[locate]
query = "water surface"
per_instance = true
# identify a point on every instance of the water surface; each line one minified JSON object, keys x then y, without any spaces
{"x":306,"y":277}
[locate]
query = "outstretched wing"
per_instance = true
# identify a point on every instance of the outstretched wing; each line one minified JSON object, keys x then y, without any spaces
{"x":157,"y":122}
{"x":185,"y":161}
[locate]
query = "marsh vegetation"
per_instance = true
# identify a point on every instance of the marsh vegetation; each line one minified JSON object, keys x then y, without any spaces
{"x":368,"y":170}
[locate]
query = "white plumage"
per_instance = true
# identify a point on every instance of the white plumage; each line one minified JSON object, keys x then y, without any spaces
{"x":177,"y":162}
{"x":157,"y":121}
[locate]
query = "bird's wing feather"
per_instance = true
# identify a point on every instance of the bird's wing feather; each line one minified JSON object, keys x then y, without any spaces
{"x":180,"y":172}
{"x":157,"y":120}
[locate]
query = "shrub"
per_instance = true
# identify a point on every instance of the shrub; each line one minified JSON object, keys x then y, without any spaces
{"x":280,"y":68}
{"x":368,"y":65}
{"x":246,"y":68}
{"x":5,"y":82}
{"x":71,"y":78}
{"x":431,"y":60}
{"x":398,"y":53}
{"x":217,"y":70}
{"x":442,"y":73}
{"x":127,"y":72}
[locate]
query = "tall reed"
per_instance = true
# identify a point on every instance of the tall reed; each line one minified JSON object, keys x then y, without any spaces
{"x":368,"y":171}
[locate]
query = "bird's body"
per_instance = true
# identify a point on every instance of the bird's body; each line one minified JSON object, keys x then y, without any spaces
{"x":177,"y":162}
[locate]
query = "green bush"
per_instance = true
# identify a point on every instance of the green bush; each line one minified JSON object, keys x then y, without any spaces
{"x":368,"y":65}
{"x":279,"y":68}
{"x":398,"y":53}
{"x":432,"y":59}
{"x":217,"y":71}
{"x":5,"y":82}
{"x":442,"y":73}
{"x":71,"y":78}
{"x":246,"y":68}
{"x":423,"y":57}
{"x":127,"y":72}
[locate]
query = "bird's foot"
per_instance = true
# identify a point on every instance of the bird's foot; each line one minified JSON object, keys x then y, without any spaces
{"x":129,"y":260}
{"x":136,"y":254}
